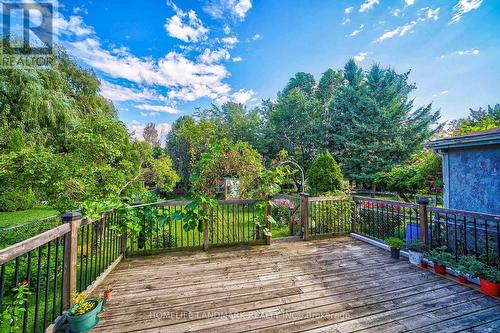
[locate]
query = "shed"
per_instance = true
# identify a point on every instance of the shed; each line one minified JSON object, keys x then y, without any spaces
{"x":471,"y":170}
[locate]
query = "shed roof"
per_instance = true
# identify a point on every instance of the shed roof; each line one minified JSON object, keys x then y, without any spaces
{"x":479,"y":138}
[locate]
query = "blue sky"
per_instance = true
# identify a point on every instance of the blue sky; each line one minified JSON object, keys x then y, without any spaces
{"x":161,"y":59}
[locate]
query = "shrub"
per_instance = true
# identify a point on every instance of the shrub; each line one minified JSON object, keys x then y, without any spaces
{"x":476,"y":268}
{"x":439,"y":256}
{"x":14,"y":199}
{"x":324,"y":175}
{"x":395,"y":243}
{"x":281,"y":211}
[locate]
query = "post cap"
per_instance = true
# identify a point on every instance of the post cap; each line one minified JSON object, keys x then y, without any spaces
{"x":71,"y":216}
{"x":423,"y":201}
{"x":304,"y":194}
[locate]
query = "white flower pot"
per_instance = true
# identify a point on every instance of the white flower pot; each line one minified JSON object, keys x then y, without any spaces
{"x":415,"y":257}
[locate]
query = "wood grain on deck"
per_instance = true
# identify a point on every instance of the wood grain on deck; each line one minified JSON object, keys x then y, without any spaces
{"x":334,"y":285}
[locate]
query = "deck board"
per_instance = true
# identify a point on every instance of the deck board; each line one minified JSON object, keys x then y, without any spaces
{"x":330,"y":285}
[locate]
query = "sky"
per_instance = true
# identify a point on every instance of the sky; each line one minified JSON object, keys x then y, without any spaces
{"x":160,"y":59}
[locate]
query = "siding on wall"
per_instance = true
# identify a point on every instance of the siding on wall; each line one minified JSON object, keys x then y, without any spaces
{"x":474,"y":179}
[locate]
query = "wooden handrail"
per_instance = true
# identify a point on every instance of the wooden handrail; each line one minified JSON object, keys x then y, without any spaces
{"x":336,"y":198}
{"x":32,"y":243}
{"x":387,"y":202}
{"x":489,"y":217}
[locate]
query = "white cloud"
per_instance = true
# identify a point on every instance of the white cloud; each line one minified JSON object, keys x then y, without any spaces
{"x":242,"y":96}
{"x":185,"y":26}
{"x":118,"y":93}
{"x":441,"y":93}
{"x":237,"y":59}
{"x":210,"y":57}
{"x":398,"y":32}
{"x":348,"y":10}
{"x":236,"y":8}
{"x":73,"y":26}
{"x":463,"y":7}
{"x":471,"y":52}
{"x":361,"y":56}
{"x":230,"y":40}
{"x":257,"y":37}
{"x":78,"y":10}
{"x":227,"y":29}
{"x":367,"y":5}
{"x":345,"y":20}
{"x":149,"y":114}
{"x":409,"y":2}
{"x":157,"y":108}
{"x":396,"y":12}
{"x":357,"y":31}
{"x":138,"y":129}
{"x":430,"y":14}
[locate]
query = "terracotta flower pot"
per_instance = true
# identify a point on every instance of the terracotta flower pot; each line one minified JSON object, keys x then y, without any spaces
{"x":462,"y":279}
{"x":490,"y":288}
{"x":108,"y":294}
{"x":424,"y":264}
{"x":440,"y":269}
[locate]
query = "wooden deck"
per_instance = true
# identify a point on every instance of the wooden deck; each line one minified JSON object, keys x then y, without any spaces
{"x":334,"y":285}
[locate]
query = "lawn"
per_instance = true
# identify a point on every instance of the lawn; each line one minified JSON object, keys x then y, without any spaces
{"x":9,"y":219}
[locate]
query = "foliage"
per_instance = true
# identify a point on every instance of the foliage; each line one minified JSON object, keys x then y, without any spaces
{"x":422,"y":174}
{"x":370,"y":126}
{"x":439,"y":256}
{"x":476,"y":268}
{"x":395,"y":243}
{"x":478,"y":120}
{"x":13,"y":313}
{"x":281,"y":211}
{"x":162,"y":173}
{"x":417,"y":246}
{"x":81,"y":304}
{"x":324,"y":174}
{"x":186,"y":142}
{"x":236,"y":160}
{"x":15,"y":198}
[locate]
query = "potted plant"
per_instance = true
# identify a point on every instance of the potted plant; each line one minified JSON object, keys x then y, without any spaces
{"x":396,"y":245}
{"x":108,"y":292}
{"x":440,"y":258}
{"x":82,"y":316}
{"x":489,"y":277}
{"x":416,"y":251}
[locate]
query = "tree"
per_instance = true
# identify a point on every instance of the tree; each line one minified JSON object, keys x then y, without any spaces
{"x":324,"y":174}
{"x":187,"y":140}
{"x":481,"y":119}
{"x":422,"y":174}
{"x":370,"y":125}
{"x":227,"y":159}
{"x":150,"y":134}
{"x":162,"y":173}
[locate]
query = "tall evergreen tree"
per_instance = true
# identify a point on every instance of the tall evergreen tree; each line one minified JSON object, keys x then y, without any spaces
{"x":370,"y":124}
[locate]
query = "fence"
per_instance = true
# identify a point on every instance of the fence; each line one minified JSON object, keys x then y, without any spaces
{"x":462,"y":232}
{"x":230,"y":222}
{"x":325,"y":215}
{"x":69,"y":257}
{"x":18,"y":233}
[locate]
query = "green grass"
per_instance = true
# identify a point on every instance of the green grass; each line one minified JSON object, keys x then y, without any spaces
{"x":9,"y":219}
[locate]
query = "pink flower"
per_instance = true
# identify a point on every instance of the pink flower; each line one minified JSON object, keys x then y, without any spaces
{"x":432,"y":182}
{"x":439,"y":188}
{"x":433,"y":188}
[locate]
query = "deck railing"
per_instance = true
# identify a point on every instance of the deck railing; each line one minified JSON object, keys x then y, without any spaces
{"x":462,"y":232}
{"x":231,"y":222}
{"x":70,"y":257}
{"x":323,"y":216}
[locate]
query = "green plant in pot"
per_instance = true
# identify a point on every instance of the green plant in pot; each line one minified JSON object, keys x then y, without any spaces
{"x":489,"y":276}
{"x":82,"y":316}
{"x":416,"y":251}
{"x":440,"y":258}
{"x":396,"y":245}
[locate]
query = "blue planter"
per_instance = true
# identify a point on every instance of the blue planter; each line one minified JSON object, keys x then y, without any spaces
{"x":412,"y":232}
{"x":85,"y":322}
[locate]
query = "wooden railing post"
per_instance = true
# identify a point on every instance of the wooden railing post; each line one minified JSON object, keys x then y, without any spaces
{"x":424,"y":223}
{"x":304,"y":215}
{"x":354,"y":215}
{"x":70,"y":255}
{"x":268,"y":223}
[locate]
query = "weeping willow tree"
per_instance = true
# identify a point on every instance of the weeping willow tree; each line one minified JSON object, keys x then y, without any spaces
{"x":60,"y":140}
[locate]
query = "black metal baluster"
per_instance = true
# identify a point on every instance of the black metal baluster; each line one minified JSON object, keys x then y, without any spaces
{"x":475,"y":238}
{"x":26,"y":303}
{"x":47,"y":285}
{"x":56,"y":268}
{"x":37,"y":291}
